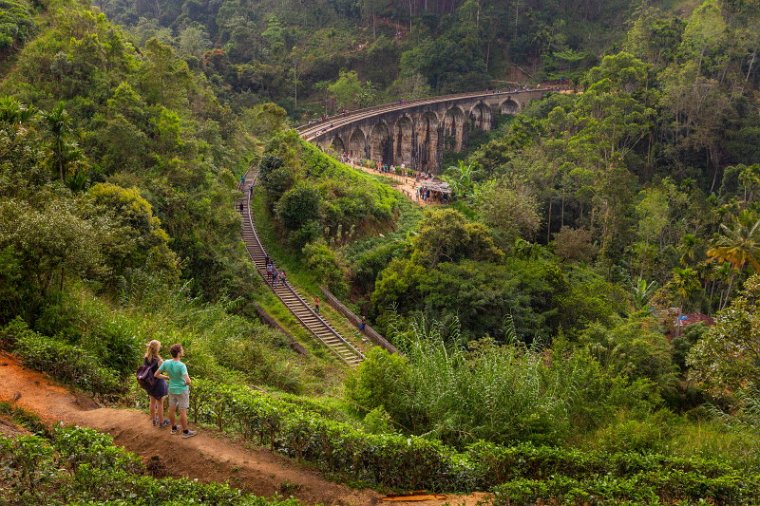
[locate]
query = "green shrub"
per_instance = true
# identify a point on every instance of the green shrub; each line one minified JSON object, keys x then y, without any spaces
{"x":16,"y":23}
{"x":298,"y":206}
{"x":324,"y":263}
{"x":67,"y":363}
{"x":11,"y":333}
{"x":504,"y":394}
{"x":82,"y":466}
{"x":302,"y":180}
{"x":532,"y":473}
{"x":631,"y":435}
{"x":23,"y":418}
{"x":390,"y":460}
{"x":661,"y":487}
{"x":115,"y":343}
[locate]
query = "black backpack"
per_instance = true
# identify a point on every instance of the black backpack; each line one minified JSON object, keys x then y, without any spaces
{"x":145,"y":377}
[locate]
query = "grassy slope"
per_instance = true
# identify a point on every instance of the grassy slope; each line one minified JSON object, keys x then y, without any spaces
{"x":319,"y":167}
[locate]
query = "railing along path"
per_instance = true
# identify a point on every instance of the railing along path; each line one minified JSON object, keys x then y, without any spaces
{"x":304,"y":313}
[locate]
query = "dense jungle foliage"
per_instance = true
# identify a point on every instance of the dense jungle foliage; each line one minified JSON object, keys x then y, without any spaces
{"x":292,"y":51}
{"x":540,"y":318}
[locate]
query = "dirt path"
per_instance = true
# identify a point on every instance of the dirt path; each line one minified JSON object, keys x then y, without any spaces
{"x":407,"y":186}
{"x":207,"y":457}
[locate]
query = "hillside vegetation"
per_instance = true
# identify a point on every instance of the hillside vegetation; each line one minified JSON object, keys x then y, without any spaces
{"x":544,"y":320}
{"x":328,"y":54}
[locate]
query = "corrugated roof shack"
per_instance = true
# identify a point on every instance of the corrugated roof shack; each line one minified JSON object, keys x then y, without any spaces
{"x":435,"y":191}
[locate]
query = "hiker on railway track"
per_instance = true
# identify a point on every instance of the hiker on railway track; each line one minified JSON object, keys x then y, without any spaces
{"x":274,"y":277}
{"x":283,"y":278}
{"x":316,"y":304}
{"x":155,"y":387}
{"x":270,"y":269}
{"x":179,"y":389}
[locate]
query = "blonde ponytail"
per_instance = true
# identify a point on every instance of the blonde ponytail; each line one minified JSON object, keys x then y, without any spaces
{"x":151,"y":351}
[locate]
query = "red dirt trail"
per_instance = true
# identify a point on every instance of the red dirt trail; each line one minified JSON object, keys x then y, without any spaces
{"x":206,"y":457}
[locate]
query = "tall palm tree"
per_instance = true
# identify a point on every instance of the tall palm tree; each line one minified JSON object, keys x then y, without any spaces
{"x":14,"y":112}
{"x":740,"y":244}
{"x":58,"y":124}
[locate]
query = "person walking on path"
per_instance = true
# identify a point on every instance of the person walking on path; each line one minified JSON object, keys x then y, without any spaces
{"x":274,"y":277}
{"x":158,"y":389}
{"x":270,"y":270}
{"x":363,"y":324}
{"x":283,"y":278}
{"x":179,"y":389}
{"x":316,"y":304}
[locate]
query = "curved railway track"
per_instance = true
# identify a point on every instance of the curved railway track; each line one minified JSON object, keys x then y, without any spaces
{"x":314,"y":323}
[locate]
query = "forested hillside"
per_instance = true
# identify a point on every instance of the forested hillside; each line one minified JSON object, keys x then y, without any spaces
{"x":579,"y":327}
{"x":118,"y":177}
{"x":292,"y":51}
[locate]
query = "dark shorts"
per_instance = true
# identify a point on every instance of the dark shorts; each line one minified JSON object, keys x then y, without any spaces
{"x":159,"y":390}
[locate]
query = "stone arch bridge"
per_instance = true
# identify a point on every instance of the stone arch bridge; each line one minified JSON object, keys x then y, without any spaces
{"x":417,"y":133}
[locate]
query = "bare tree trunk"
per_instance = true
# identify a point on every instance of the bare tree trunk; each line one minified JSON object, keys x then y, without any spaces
{"x":751,"y":64}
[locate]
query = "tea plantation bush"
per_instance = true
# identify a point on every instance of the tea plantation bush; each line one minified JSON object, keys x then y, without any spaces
{"x":82,"y":466}
{"x":62,"y":360}
{"x":532,"y":473}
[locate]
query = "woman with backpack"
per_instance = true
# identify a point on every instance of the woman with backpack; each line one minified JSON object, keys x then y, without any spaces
{"x":157,"y":388}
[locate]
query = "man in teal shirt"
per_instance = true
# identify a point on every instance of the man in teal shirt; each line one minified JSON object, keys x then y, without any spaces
{"x":179,"y":389}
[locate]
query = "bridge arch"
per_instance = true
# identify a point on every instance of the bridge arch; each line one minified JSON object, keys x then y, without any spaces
{"x":480,"y":116}
{"x":380,"y":143}
{"x":453,"y":129}
{"x":357,"y":145}
{"x":403,"y":135}
{"x":446,"y":127}
{"x":338,"y":145}
{"x":509,"y":106}
{"x":427,"y":141}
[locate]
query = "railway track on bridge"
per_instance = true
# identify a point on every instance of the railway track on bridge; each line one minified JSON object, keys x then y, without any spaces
{"x":314,"y":323}
{"x":314,"y":130}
